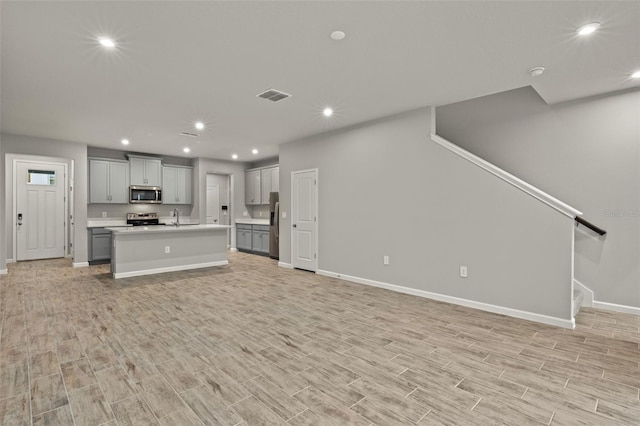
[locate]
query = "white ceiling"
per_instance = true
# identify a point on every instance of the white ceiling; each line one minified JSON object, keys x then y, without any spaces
{"x":178,"y":62}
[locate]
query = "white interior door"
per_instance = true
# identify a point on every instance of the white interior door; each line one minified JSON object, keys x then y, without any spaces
{"x":40,"y":213}
{"x":213,"y":204}
{"x":304,"y":232}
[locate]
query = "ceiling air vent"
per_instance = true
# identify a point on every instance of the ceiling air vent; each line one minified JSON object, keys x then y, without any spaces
{"x":273,"y":95}
{"x":191,"y":135}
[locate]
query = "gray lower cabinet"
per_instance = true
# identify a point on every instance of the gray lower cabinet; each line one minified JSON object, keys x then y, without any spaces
{"x":99,"y":246}
{"x":260,"y":239}
{"x":252,"y":238}
{"x":243,"y":237}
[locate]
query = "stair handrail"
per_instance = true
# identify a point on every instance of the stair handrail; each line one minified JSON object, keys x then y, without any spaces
{"x":594,"y":228}
{"x":540,"y":195}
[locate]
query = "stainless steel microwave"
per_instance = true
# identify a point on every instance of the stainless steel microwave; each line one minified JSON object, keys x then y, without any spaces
{"x":145,"y":194}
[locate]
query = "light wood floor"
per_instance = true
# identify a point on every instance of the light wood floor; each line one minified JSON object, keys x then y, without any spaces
{"x":251,"y":344}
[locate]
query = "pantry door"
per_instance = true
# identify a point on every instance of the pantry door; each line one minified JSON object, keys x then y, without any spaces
{"x":304,"y":219}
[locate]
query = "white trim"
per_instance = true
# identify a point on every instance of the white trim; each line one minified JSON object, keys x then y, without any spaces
{"x":285,"y":265}
{"x":3,"y":272}
{"x":508,"y":177}
{"x":545,"y":319}
{"x":573,"y":273}
{"x":586,"y":293}
{"x":433,"y":120}
{"x":80,"y":264}
{"x":10,"y":261}
{"x":169,"y":269}
{"x":616,"y":308}
{"x":233,"y":249}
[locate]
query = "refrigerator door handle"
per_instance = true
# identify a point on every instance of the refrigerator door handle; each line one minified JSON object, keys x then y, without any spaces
{"x":276,"y":220}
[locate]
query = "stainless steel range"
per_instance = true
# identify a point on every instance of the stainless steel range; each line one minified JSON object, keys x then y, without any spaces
{"x":142,"y":219}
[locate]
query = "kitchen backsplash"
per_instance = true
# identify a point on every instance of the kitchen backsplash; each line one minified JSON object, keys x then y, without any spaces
{"x":119,"y":211}
{"x":258,"y":212}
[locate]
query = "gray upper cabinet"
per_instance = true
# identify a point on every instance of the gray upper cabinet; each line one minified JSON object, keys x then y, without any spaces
{"x":252,"y":188}
{"x":145,"y":171}
{"x":258,"y":183}
{"x":177,"y":183}
{"x":270,"y":182}
{"x":108,"y":181}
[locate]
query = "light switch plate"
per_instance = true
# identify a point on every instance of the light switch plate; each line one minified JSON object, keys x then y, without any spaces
{"x":463,"y":272}
{"x":284,"y":215}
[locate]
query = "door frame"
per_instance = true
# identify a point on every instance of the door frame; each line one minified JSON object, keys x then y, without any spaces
{"x":315,"y":226}
{"x":42,"y":161}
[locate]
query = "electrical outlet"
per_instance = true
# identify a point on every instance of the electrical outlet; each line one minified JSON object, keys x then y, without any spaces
{"x":260,"y":214}
{"x":245,"y":213}
{"x":463,"y":272}
{"x":385,"y":260}
{"x":167,"y":249}
{"x":104,"y":214}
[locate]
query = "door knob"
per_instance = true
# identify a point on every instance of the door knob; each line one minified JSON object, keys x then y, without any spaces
{"x":19,"y":219}
{"x":295,"y":226}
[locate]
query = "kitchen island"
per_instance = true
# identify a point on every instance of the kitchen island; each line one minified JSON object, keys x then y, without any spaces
{"x":145,"y":250}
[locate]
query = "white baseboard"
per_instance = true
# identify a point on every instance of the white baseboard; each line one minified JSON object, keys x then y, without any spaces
{"x":80,"y":264}
{"x":616,"y":308}
{"x":169,"y":269}
{"x":285,"y":265}
{"x":587,"y":293}
{"x":3,"y":272}
{"x":11,"y":261}
{"x":233,"y":249}
{"x":516,"y":313}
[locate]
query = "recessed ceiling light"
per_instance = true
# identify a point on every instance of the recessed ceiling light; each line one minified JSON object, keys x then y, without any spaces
{"x":636,"y":74}
{"x":254,"y":151}
{"x":588,"y":28}
{"x":107,"y":42}
{"x":537,"y":71}
{"x":199,"y":125}
{"x":186,"y":150}
{"x":327,"y":112}
{"x":234,"y":156}
{"x":125,"y":141}
{"x":338,"y":35}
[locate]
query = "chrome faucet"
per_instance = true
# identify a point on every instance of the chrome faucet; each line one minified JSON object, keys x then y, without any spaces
{"x":176,"y":214}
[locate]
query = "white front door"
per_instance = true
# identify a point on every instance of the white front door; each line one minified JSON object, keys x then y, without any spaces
{"x":304,"y":234}
{"x":40,"y":213}
{"x":213,"y":204}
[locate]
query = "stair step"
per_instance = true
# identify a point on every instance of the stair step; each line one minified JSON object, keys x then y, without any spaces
{"x":578,"y":297}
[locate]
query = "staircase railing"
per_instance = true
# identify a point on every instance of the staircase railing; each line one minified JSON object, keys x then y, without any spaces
{"x":508,"y":177}
{"x":594,"y":228}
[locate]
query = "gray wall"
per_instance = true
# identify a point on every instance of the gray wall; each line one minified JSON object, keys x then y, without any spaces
{"x":586,"y":153}
{"x":24,"y":145}
{"x":386,"y":189}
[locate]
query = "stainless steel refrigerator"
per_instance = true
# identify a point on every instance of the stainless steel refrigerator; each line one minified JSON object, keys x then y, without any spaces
{"x":274,"y":226}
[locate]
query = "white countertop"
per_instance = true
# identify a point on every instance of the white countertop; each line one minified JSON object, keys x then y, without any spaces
{"x":251,"y":221}
{"x":156,"y":229}
{"x":102,"y":223}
